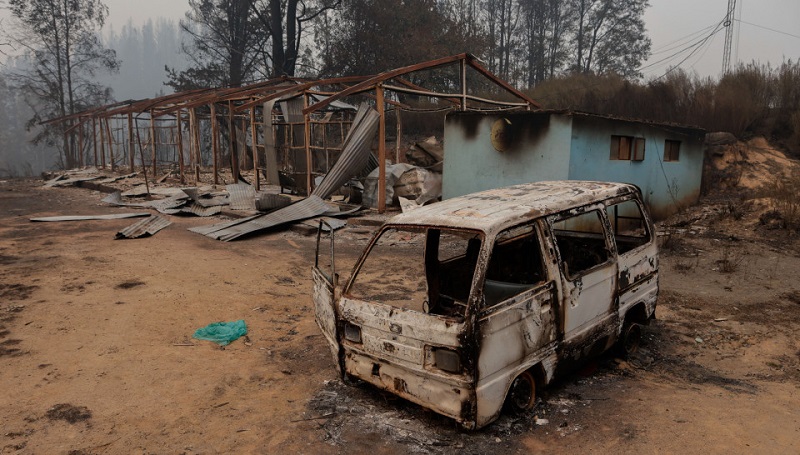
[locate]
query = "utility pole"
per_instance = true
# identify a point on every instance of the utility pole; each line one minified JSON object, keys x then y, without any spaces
{"x":726,"y":53}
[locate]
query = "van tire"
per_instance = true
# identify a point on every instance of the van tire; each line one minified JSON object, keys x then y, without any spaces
{"x":521,"y":395}
{"x":630,"y":338}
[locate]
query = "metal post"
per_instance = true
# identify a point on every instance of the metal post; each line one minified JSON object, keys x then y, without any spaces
{"x":254,"y":138}
{"x":307,"y":130}
{"x":381,"y":149}
{"x":270,"y":153}
{"x":399,"y":135}
{"x":232,"y":144}
{"x":131,"y":140}
{"x":179,"y":124}
{"x":102,"y":144}
{"x":153,"y":143}
{"x":463,"y":72}
{"x":80,"y":142}
{"x":215,"y":141}
{"x":110,"y":145}
{"x":94,"y":139}
{"x":196,"y":143}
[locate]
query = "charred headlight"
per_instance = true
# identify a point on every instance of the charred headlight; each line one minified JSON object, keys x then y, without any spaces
{"x":352,"y":332}
{"x":447,"y":360}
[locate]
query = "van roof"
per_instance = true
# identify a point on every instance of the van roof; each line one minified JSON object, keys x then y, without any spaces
{"x":496,"y":209}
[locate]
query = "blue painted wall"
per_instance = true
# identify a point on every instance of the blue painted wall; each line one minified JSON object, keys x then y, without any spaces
{"x":666,"y":186}
{"x":473,"y":164}
{"x":574,"y":146}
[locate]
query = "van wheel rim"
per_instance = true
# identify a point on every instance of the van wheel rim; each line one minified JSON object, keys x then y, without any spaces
{"x":633,"y":336}
{"x":523,"y":392}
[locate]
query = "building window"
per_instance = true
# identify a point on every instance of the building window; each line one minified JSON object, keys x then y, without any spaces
{"x":672,"y":150}
{"x":627,"y":148}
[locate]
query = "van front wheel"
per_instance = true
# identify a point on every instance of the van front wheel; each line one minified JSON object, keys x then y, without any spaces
{"x":522,"y":394}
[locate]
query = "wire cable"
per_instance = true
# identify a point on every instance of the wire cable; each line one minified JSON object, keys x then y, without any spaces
{"x":767,"y":28}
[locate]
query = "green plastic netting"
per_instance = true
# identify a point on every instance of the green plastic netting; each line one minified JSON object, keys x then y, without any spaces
{"x":222,"y":332}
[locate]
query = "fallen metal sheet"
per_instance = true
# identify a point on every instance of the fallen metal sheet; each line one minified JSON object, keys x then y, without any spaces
{"x":70,"y":181}
{"x":55,"y":179}
{"x":242,"y":196}
{"x":307,"y":208}
{"x":141,"y":190}
{"x":356,"y":152}
{"x":117,"y":178}
{"x":211,"y":228}
{"x":206,"y":199}
{"x":199,"y":210}
{"x":268,"y":201}
{"x":342,"y":210}
{"x":166,"y":205}
{"x":329,"y":223}
{"x":216,"y":201}
{"x":144,"y":227}
{"x":115,"y":216}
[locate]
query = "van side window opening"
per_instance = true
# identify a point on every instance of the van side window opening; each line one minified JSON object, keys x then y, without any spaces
{"x":515,"y":265}
{"x":425,"y":270}
{"x":581,"y":242}
{"x":628,"y":225}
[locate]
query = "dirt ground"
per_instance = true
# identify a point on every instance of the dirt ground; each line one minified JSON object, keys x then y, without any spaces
{"x":96,"y":354}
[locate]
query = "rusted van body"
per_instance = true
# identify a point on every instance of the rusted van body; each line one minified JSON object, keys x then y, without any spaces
{"x":477,"y":301}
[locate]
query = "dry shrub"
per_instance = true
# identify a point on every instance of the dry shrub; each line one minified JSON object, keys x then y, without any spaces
{"x":752,"y":99}
{"x":782,"y":193}
{"x":730,"y":260}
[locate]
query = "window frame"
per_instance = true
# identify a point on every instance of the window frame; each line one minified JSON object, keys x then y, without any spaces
{"x":611,"y":248}
{"x":537,"y":233}
{"x":672,"y":151}
{"x":627,"y":148}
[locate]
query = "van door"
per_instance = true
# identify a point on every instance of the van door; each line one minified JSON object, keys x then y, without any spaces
{"x":325,"y":298}
{"x":636,"y":249}
{"x":517,"y":316}
{"x":588,"y":269}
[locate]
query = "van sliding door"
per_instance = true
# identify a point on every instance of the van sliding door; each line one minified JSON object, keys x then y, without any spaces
{"x":588,"y":268}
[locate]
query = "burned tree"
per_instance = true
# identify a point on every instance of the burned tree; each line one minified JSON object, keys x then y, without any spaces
{"x":62,"y":54}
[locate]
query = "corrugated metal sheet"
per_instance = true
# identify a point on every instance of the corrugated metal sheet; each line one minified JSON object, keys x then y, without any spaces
{"x":70,"y":181}
{"x":115,"y":216}
{"x":268,"y":201}
{"x":141,"y":190}
{"x":144,"y":228}
{"x":199,"y":210}
{"x":117,"y":178}
{"x":307,"y":208}
{"x":356,"y":152}
{"x":207,"y":199}
{"x":211,"y":228}
{"x":331,"y":223}
{"x":242,"y":196}
{"x":169,"y":205}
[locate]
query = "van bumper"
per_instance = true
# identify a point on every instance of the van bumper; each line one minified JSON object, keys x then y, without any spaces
{"x":453,"y":397}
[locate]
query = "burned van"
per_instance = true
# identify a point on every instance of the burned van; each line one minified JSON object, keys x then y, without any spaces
{"x":478,"y":301}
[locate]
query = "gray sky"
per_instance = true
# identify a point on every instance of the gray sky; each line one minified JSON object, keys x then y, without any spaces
{"x":671,"y":20}
{"x":670,"y":23}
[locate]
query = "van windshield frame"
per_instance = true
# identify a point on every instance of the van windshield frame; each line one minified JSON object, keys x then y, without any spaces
{"x":427,"y":269}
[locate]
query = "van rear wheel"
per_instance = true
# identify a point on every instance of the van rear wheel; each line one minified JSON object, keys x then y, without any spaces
{"x":630,"y":339}
{"x":522,"y":394}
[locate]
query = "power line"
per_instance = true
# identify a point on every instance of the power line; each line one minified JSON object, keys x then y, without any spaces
{"x":664,"y":48}
{"x":767,"y":28}
{"x":693,"y":46}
